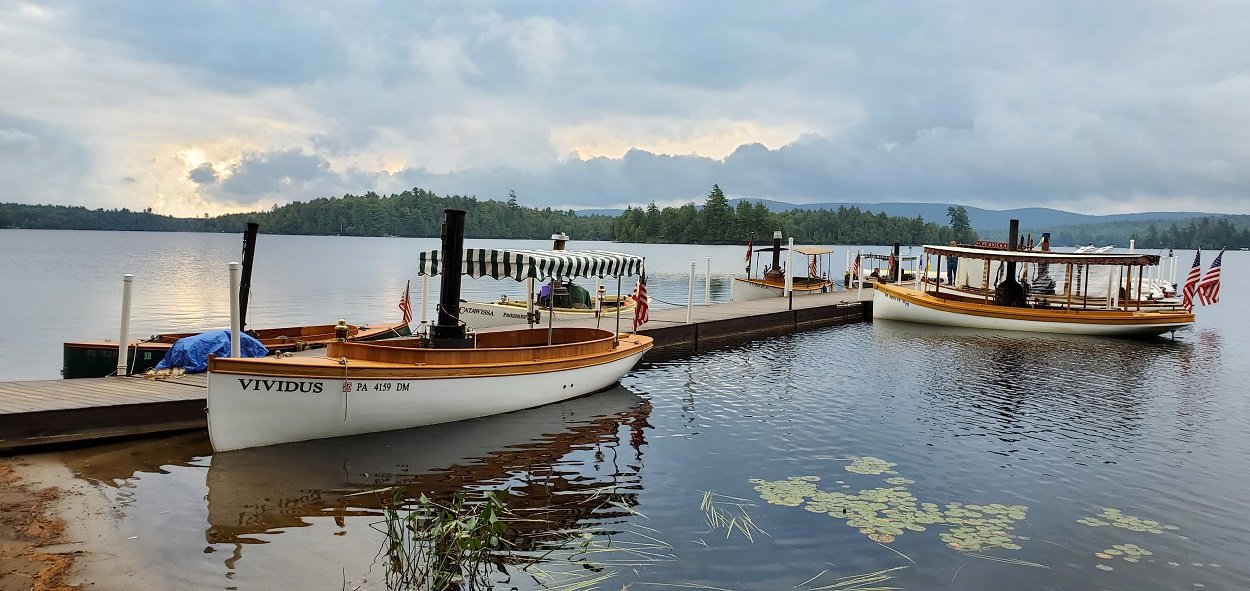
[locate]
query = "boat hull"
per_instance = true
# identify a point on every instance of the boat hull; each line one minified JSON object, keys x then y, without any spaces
{"x":481,"y":315}
{"x":268,"y":407}
{"x":745,"y":290}
{"x":895,"y":303}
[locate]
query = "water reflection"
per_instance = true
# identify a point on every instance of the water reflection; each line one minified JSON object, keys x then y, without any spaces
{"x":1085,"y":392}
{"x":551,"y":460}
{"x":119,"y":464}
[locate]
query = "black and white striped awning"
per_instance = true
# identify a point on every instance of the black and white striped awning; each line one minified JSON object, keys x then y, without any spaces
{"x":539,"y":264}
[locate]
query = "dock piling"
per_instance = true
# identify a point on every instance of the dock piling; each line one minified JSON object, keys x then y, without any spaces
{"x":690,"y":296}
{"x":234,"y":309}
{"x":707,"y":283}
{"x":123,"y":341}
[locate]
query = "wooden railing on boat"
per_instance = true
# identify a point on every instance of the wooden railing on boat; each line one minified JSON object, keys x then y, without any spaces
{"x":518,"y":346}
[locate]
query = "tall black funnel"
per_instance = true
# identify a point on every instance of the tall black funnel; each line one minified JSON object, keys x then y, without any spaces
{"x":448,"y":325}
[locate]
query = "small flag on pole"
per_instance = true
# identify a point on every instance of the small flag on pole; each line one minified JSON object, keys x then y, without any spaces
{"x":1209,"y":288}
{"x":405,"y":304}
{"x":811,"y":266}
{"x":641,"y":302}
{"x":855,"y":268}
{"x":1191,"y":282}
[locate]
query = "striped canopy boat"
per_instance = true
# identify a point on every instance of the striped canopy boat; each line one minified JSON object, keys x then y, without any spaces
{"x":541,"y":266}
{"x":521,"y":264}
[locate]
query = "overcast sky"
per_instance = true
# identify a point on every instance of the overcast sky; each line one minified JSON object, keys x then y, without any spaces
{"x":210,"y":107}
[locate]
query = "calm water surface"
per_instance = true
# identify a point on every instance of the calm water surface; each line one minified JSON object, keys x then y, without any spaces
{"x":965,"y":460}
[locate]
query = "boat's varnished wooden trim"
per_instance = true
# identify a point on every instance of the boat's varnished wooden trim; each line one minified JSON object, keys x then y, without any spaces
{"x":1105,"y":317}
{"x":442,"y":363}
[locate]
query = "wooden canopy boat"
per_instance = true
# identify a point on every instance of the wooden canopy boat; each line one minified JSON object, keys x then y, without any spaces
{"x":771,"y":282}
{"x":448,"y":375}
{"x":1050,"y":293}
{"x":95,"y":359}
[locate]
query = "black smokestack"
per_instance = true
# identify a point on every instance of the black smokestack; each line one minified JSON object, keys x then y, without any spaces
{"x":1013,"y":244}
{"x":448,"y":325}
{"x":1010,"y":292}
{"x":776,"y":252}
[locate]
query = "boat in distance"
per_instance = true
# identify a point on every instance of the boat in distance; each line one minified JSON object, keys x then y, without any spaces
{"x":1016,"y":291}
{"x":771,"y":282}
{"x":449,"y":374}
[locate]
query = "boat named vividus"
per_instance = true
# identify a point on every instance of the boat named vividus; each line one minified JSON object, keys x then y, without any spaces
{"x":448,"y":375}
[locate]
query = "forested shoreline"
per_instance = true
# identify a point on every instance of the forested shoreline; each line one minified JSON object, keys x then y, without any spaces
{"x":419,"y":213}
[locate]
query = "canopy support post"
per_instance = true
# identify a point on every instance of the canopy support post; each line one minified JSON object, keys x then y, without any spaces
{"x":616,"y":338}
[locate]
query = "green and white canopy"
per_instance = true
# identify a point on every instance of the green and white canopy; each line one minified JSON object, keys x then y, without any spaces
{"x":538,"y":264}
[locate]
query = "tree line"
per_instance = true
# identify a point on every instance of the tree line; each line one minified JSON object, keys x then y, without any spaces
{"x":1231,"y":231}
{"x":419,"y":213}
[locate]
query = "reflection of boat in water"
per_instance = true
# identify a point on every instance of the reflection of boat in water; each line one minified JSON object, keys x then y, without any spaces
{"x":562,"y":300}
{"x":1009,"y":298}
{"x":450,"y":376}
{"x":771,"y":282}
{"x":552,"y":457}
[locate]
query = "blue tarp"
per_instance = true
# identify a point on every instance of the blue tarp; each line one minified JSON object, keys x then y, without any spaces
{"x":191,"y":353}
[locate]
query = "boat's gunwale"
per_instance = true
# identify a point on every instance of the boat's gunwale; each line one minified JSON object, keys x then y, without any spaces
{"x":332,"y":368}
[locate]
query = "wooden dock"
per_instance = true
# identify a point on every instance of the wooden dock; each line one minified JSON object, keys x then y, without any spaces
{"x":59,"y":411}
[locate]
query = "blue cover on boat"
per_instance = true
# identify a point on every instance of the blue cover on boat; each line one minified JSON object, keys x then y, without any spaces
{"x":191,"y":353}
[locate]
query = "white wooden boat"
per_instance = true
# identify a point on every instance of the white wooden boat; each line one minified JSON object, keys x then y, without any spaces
{"x":449,"y":375}
{"x":770,"y":282}
{"x":1001,"y":297}
{"x":505,"y":311}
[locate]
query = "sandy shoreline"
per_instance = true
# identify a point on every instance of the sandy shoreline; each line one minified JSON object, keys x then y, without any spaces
{"x":60,"y":533}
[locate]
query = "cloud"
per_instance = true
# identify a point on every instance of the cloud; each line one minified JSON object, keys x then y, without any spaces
{"x":1114,"y":106}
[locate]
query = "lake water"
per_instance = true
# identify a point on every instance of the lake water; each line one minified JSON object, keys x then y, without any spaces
{"x":960,"y":459}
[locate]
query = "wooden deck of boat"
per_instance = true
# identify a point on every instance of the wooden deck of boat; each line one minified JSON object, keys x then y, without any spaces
{"x":58,"y":411}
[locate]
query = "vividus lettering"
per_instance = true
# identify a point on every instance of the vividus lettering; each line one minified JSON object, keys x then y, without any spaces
{"x":280,"y":386}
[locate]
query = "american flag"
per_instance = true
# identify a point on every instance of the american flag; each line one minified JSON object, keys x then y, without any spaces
{"x":855,"y":269}
{"x":405,"y":304}
{"x":1209,"y":288}
{"x":640,"y":302}
{"x":1191,"y":282}
{"x":811,"y":266}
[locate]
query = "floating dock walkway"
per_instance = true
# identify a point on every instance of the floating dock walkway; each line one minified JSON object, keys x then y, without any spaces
{"x":59,"y":411}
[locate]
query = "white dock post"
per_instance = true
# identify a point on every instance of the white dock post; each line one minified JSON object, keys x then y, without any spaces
{"x":789,"y":267}
{"x":234,"y":309}
{"x":690,"y":296}
{"x":733,"y":278}
{"x":1132,"y":246}
{"x":707,"y":283}
{"x":123,"y":341}
{"x":859,"y":277}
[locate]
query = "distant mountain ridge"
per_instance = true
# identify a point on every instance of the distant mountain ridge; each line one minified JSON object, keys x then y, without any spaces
{"x":983,"y":220}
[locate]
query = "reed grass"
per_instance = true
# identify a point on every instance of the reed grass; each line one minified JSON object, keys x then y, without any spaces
{"x":443,"y":546}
